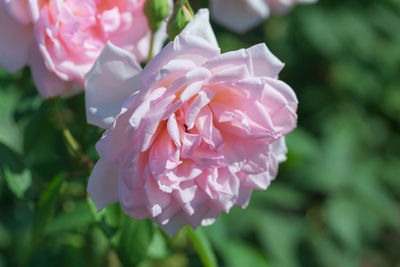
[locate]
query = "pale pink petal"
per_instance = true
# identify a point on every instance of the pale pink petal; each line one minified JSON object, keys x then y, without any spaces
{"x":281,"y":110}
{"x":242,"y":15}
{"x":34,"y":9}
{"x":190,"y":142}
{"x":173,"y":130}
{"x":205,"y":125}
{"x":264,"y":63}
{"x":244,"y":197}
{"x":190,"y":47}
{"x":111,"y":80}
{"x":110,"y":20}
{"x":168,"y":214}
{"x":193,"y":79}
{"x":282,"y":88}
{"x":132,"y":201}
{"x":156,"y":200}
{"x":163,"y":156}
{"x":103,"y":184}
{"x":278,"y":155}
{"x":18,"y":10}
{"x":190,"y":197}
{"x":170,"y":72}
{"x":174,"y":224}
{"x":239,"y":16}
{"x":259,"y":181}
{"x":231,"y":73}
{"x":258,"y":59}
{"x":14,"y":43}
{"x":48,"y":84}
{"x":202,"y":99}
{"x":115,"y":140}
{"x":150,"y":122}
{"x":279,"y":149}
{"x":283,"y":6}
{"x":200,"y":26}
{"x":143,"y":106}
{"x":228,"y":60}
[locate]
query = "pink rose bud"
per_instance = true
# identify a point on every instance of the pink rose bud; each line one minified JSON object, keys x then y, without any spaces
{"x":240,"y":16}
{"x":61,"y":39}
{"x":182,"y":15}
{"x":191,"y":135}
{"x":156,"y":11}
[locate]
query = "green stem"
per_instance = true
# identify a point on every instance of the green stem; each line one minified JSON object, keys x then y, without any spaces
{"x":202,"y":246}
{"x":150,"y":55}
{"x":189,"y":7}
{"x":72,"y":143}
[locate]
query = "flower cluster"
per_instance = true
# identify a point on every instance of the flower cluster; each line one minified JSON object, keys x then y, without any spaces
{"x":199,"y":132}
{"x":60,"y":40}
{"x":189,"y":136}
{"x":242,"y":15}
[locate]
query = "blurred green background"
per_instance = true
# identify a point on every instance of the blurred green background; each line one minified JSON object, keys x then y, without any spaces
{"x":335,"y":202}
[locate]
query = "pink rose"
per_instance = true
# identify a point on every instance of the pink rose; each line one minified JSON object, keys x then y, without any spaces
{"x":61,"y":39}
{"x":17,"y":33}
{"x":197,"y":130}
{"x":242,"y":15}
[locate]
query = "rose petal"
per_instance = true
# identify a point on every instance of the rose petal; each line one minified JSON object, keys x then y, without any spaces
{"x":202,"y":99}
{"x":239,"y":16}
{"x":259,"y":60}
{"x":103,"y":184}
{"x":156,"y":200}
{"x":195,"y":48}
{"x":14,"y":43}
{"x":18,"y":10}
{"x":111,"y":80}
{"x":264,"y":63}
{"x":200,"y":26}
{"x":48,"y":83}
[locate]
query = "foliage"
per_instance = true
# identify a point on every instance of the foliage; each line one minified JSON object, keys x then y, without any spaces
{"x":335,"y":201}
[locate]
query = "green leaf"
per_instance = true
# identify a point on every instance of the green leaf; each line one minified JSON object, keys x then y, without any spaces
{"x":93,"y":210}
{"x":301,"y":146}
{"x":113,"y":215}
{"x":78,"y":217}
{"x":10,"y":159}
{"x":135,"y":239}
{"x":278,"y":235}
{"x":281,"y":196}
{"x":342,"y":216}
{"x":328,"y":252}
{"x":5,"y":237}
{"x":239,"y":254}
{"x":18,"y":182}
{"x":158,"y":248}
{"x":10,"y":134}
{"x":45,"y":206}
{"x":202,"y":246}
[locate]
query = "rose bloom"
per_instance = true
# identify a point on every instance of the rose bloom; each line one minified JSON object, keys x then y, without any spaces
{"x":61,"y":39}
{"x":198,"y":130}
{"x":241,"y":15}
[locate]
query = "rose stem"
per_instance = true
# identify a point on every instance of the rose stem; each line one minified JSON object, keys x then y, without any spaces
{"x":72,"y":143}
{"x":150,"y":55}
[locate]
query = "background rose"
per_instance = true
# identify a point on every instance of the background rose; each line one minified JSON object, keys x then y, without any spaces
{"x":241,"y":15}
{"x":16,"y":31}
{"x":199,"y":133}
{"x":60,"y":40}
{"x":335,"y":201}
